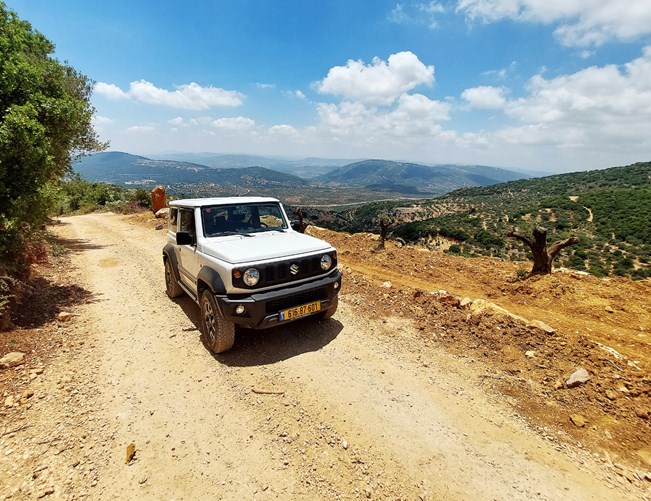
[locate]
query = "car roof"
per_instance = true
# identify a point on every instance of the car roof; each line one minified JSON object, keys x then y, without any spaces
{"x":203,"y":202}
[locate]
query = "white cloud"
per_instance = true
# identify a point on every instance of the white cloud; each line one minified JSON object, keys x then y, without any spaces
{"x":500,"y":74}
{"x":418,"y":107}
{"x":421,"y":13}
{"x":176,"y":121}
{"x":430,"y":11}
{"x":414,"y":115}
{"x":379,"y":82}
{"x":298,"y":94}
{"x":201,"y":121}
{"x":236,"y":123}
{"x":595,"y":96}
{"x":141,"y":128}
{"x":110,"y":91}
{"x":592,"y":117}
{"x":190,"y":96}
{"x":283,"y":130}
{"x":485,"y":97}
{"x":265,"y":86}
{"x":100,"y":120}
{"x":398,"y":15}
{"x":583,"y":23}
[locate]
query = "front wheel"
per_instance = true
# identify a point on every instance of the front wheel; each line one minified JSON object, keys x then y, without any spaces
{"x":218,"y":333}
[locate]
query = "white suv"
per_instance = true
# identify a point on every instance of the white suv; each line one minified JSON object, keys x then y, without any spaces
{"x":243,"y":263}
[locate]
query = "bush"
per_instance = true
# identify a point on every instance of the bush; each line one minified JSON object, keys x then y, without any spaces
{"x":454,"y":249}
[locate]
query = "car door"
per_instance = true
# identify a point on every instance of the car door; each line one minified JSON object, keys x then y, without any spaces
{"x":188,"y":261}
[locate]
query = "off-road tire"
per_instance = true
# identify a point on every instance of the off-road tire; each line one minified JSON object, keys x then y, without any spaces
{"x":330,"y":311}
{"x":172,"y":287}
{"x":218,"y":333}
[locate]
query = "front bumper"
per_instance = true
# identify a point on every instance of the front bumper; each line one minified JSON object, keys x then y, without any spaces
{"x":262,"y":309}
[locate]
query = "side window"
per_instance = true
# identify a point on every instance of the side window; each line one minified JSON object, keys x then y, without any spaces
{"x":271,"y":217}
{"x":173,"y":219}
{"x":187,"y":220}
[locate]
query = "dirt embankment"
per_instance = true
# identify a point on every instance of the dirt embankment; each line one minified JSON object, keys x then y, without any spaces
{"x":403,"y":394}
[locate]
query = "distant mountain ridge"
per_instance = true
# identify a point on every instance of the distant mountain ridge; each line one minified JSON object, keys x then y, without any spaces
{"x":410,"y":178}
{"x":124,"y":168}
{"x":306,"y":168}
{"x":371,"y":176}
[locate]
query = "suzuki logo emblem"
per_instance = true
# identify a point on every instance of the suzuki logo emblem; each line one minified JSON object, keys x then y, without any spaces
{"x":293,"y":269}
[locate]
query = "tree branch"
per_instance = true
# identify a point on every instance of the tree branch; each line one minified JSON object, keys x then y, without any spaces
{"x":556,"y":247}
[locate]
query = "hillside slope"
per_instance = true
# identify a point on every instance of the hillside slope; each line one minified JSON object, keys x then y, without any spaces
{"x":126,"y":169}
{"x":607,"y":209}
{"x":409,"y":178}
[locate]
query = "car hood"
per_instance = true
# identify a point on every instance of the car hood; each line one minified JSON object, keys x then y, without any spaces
{"x":271,"y":245}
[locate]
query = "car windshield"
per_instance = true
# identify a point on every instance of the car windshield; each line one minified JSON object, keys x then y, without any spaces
{"x":220,"y":220}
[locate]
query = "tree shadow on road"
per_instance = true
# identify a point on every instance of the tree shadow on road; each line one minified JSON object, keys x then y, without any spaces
{"x":41,"y":300}
{"x":77,"y":244}
{"x":268,"y":346}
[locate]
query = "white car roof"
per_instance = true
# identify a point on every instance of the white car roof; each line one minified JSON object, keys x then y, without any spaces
{"x":202,"y":202}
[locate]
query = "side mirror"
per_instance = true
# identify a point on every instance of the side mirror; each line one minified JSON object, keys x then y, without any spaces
{"x":184,"y":238}
{"x":295,"y":224}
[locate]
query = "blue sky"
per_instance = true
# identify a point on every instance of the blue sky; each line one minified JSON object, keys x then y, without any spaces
{"x":553,"y":85}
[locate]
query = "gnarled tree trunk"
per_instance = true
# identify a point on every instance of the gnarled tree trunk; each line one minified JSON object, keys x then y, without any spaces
{"x":384,"y":230}
{"x":543,"y":256}
{"x":302,"y":225}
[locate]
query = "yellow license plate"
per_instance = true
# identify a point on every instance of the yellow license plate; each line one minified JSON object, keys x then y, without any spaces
{"x":300,"y":311}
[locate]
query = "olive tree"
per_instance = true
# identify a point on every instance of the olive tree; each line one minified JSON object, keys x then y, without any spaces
{"x":543,"y":255}
{"x":45,"y":123}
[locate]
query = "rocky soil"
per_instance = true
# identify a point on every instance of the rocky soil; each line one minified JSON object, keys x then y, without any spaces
{"x":439,"y":378}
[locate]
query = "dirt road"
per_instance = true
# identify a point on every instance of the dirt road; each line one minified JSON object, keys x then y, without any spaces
{"x":351,"y":407}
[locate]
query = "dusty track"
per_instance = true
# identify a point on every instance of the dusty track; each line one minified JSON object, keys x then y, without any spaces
{"x":367,"y":410}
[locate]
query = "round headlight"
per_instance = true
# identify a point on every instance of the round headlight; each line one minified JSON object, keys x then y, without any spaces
{"x":326,"y":262}
{"x":251,"y":277}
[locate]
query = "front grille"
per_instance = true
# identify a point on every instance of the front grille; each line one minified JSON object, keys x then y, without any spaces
{"x":296,"y":300}
{"x":281,"y":272}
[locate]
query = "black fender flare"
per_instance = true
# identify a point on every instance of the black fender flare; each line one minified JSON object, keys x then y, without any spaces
{"x":212,"y":278}
{"x":168,"y":252}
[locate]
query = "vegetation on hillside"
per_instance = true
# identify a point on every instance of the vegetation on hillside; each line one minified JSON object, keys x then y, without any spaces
{"x":608,"y":210}
{"x":75,"y":195}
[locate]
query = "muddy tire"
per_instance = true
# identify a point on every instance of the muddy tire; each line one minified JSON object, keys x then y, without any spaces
{"x":172,"y":287}
{"x":218,"y":334}
{"x":330,"y":311}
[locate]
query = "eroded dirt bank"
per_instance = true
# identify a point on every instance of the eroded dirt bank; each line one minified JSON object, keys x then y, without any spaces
{"x":367,"y":410}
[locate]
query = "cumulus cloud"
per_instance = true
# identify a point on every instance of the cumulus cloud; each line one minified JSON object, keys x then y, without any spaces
{"x":590,"y":96}
{"x":485,"y":97}
{"x":599,"y":111}
{"x":110,"y":91}
{"x":413,"y":115}
{"x":583,"y":23}
{"x":190,"y":96}
{"x":235,"y":123}
{"x":380,"y":82}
